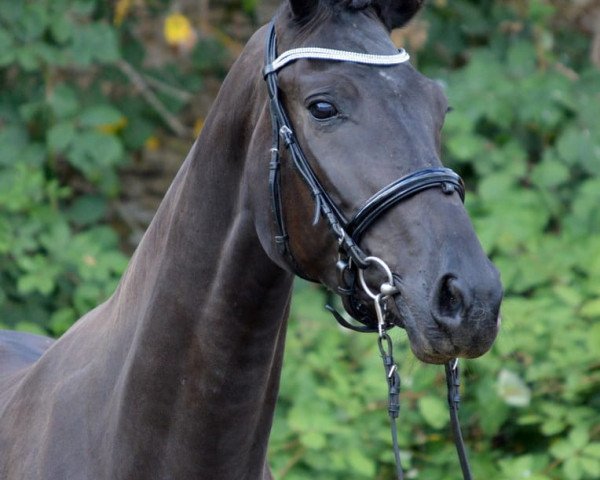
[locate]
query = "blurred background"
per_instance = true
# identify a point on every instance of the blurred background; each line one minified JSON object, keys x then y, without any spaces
{"x":100,"y":102}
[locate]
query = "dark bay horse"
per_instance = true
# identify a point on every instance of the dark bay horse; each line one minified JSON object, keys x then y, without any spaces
{"x":176,"y":375}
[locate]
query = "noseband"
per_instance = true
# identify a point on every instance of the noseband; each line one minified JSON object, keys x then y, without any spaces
{"x":352,"y":260}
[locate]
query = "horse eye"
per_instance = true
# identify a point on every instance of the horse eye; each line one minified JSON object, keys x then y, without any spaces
{"x":322,"y":110}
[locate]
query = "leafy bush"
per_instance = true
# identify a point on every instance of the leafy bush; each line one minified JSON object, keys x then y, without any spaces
{"x":57,"y":259}
{"x":523,"y":132}
{"x":75,"y":106}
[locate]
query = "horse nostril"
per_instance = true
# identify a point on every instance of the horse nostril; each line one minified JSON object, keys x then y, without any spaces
{"x":450,"y":302}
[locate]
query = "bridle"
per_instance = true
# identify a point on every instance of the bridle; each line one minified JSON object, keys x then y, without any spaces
{"x":347,"y":232}
{"x":352,"y":260}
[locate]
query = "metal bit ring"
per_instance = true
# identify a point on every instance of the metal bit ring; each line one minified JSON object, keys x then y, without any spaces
{"x":380,"y":263}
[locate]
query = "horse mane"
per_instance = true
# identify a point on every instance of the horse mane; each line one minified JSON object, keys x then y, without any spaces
{"x":327,"y":11}
{"x":393,"y":13}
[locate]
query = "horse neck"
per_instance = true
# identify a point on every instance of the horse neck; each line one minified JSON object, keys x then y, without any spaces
{"x":201,"y":317}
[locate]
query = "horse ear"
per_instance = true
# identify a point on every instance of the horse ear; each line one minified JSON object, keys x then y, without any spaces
{"x":303,"y":9}
{"x":396,"y":13}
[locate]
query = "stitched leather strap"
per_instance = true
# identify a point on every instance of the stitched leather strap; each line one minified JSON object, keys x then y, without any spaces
{"x":402,"y":189}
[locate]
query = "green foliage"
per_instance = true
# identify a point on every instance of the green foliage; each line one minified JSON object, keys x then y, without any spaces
{"x":523,"y":132}
{"x":69,"y":118}
{"x":58,"y":261}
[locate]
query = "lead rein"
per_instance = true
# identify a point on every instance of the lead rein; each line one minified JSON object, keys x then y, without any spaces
{"x":384,"y":342}
{"x":393,"y":380}
{"x":453,"y":385}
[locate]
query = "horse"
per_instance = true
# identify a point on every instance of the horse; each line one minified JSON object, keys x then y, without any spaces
{"x":176,"y":375}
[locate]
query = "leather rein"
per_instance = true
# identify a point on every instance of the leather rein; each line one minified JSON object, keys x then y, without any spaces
{"x":352,"y":260}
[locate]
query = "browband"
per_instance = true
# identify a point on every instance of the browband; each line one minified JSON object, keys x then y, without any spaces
{"x":316,"y":53}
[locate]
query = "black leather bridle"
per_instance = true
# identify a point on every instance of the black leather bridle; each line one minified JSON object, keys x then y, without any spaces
{"x":352,"y":260}
{"x":347,"y":232}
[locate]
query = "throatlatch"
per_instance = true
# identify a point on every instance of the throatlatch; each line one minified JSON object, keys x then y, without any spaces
{"x":352,"y":260}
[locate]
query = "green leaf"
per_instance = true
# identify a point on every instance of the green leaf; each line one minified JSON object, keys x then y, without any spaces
{"x":13,"y":138}
{"x":591,"y":309}
{"x":60,"y":136}
{"x":434,"y":411}
{"x":302,"y":418}
{"x":466,"y":147}
{"x":83,"y":8}
{"x":562,"y":449}
{"x":33,"y":23}
{"x":88,"y":210}
{"x":488,"y":399}
{"x":573,"y":468}
{"x":35,"y":282}
{"x":61,"y":28}
{"x":7,"y":52}
{"x":94,"y":42}
{"x":551,"y":172}
{"x":513,"y":389}
{"x":21,"y":188}
{"x":92,"y":152}
{"x":591,"y":466}
{"x":99,"y":115}
{"x":585,"y":216}
{"x":553,"y":426}
{"x":6,"y":235}
{"x":63,"y":101}
{"x":12,"y":12}
{"x":27,"y":57}
{"x":61,"y":320}
{"x":522,"y":59}
{"x":579,"y":437}
{"x":521,"y":467}
{"x":593,"y":337}
{"x":592,"y":450}
{"x":33,"y":155}
{"x":137,"y":131}
{"x":540,"y":11}
{"x":313,"y":439}
{"x":579,"y":147}
{"x":361,"y":464}
{"x":30,"y":327}
{"x":87,"y":296}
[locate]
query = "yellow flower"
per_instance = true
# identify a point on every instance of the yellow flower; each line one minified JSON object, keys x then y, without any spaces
{"x":122,"y":8}
{"x":198,"y":124}
{"x":152,"y":143}
{"x":112,"y":128}
{"x":178,"y":31}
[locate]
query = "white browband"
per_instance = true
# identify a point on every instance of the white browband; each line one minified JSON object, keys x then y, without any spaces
{"x":317,"y":53}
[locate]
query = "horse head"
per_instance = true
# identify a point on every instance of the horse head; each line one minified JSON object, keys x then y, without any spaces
{"x":361,"y":127}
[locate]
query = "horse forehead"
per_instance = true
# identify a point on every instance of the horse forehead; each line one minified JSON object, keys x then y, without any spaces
{"x":370,"y":82}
